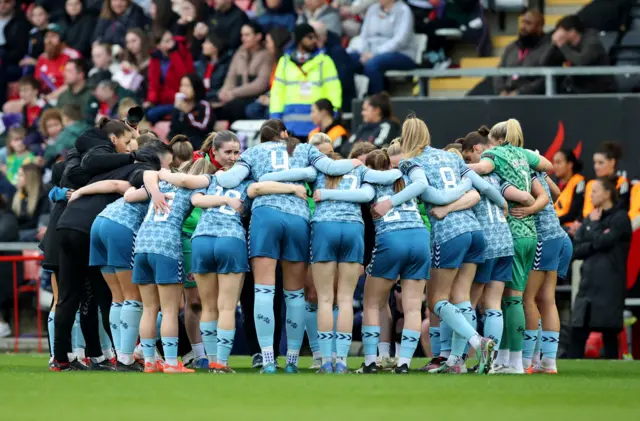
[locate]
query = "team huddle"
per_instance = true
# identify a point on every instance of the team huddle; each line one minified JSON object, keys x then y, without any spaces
{"x":478,"y":237}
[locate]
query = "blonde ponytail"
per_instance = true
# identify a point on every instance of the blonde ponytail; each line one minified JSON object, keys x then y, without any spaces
{"x":415,"y":137}
{"x":514,"y":133}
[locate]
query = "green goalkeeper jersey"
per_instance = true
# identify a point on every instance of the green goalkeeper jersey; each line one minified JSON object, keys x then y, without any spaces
{"x":514,"y":165}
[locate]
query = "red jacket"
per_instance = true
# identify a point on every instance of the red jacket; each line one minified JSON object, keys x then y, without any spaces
{"x":180,"y":64}
{"x":50,"y":72}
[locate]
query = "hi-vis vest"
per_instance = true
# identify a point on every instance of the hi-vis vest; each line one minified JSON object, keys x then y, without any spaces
{"x":563,"y":204}
{"x":335,"y":132}
{"x":622,"y":186}
{"x":634,"y":209}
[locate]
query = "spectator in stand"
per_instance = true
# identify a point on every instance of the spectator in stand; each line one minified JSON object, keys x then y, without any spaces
{"x":80,"y":25}
{"x":332,"y":45}
{"x":248,"y":75}
{"x":163,"y":17}
{"x":379,"y":125}
{"x":214,"y":67}
{"x":192,"y":115}
{"x":39,"y":18}
{"x":9,"y":232}
{"x":13,"y":27}
{"x":386,"y":42}
{"x":30,"y":201}
{"x":102,"y":64}
{"x":50,"y":128}
{"x":129,"y":78}
{"x":134,"y":65}
{"x":603,"y":243}
{"x":168,"y":65}
{"x":529,"y":50}
{"x":321,"y":11}
{"x":277,"y":13}
{"x":225,"y":19}
{"x":50,"y":67}
{"x":322,"y":115}
{"x":74,"y":126}
{"x":17,"y":154}
{"x":304,"y":75}
{"x":351,"y":13}
{"x":276,"y":41}
{"x":75,"y":78}
{"x":116,"y":18}
{"x":27,"y":110}
{"x":191,"y":12}
{"x":106,"y":101}
{"x":568,"y":169}
{"x":606,"y":163}
{"x":574,"y":46}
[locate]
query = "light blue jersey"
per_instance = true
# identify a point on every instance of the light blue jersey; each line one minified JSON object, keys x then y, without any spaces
{"x":339,"y":211}
{"x":444,"y":170}
{"x":160,"y":232}
{"x":273,"y":157}
{"x":124,"y":213}
{"x":222,"y":221}
{"x":547,"y":222}
{"x":405,"y":216}
{"x":499,"y":242}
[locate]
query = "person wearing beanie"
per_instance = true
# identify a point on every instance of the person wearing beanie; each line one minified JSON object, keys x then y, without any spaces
{"x":303,"y":75}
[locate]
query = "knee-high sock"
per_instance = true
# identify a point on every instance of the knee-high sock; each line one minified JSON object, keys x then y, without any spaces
{"x":325,"y":342}
{"x":343,"y":344}
{"x":51,"y":329}
{"x":130,"y":316}
{"x":538,"y":348}
{"x":170,"y":348}
{"x":225,"y":345}
{"x":446,"y":336}
{"x":334,"y":345}
{"x":209,"y":332}
{"x":515,"y":322}
{"x":458,"y":343}
{"x":370,"y":339}
{"x":77,"y":338}
{"x":294,"y":302}
{"x":105,"y":340}
{"x":114,"y":324}
{"x":264,"y":319}
{"x":550,"y":341}
{"x":528,"y":344}
{"x":434,"y":341}
{"x":454,"y":318}
{"x":311,"y":326}
{"x":410,"y":339}
{"x":493,"y":325}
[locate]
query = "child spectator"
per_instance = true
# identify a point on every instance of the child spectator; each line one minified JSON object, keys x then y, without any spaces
{"x":30,"y":201}
{"x":116,"y":18}
{"x":214,"y":67}
{"x":39,"y":18}
{"x":192,"y":115}
{"x":26,"y":111}
{"x":50,"y":128}
{"x":170,"y":62}
{"x":80,"y":25}
{"x":74,"y":126}
{"x":277,"y":14}
{"x":17,"y":154}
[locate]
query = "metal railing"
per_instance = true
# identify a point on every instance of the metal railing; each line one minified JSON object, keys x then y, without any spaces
{"x":549,"y":73}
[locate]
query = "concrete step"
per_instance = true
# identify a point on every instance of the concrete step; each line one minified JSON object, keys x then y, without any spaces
{"x":479,"y":62}
{"x":451,"y":86}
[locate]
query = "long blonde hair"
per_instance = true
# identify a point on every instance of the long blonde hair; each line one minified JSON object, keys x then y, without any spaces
{"x":31,"y":190}
{"x":508,"y":131}
{"x":319,"y":139}
{"x":395,"y":148}
{"x":332,"y":182}
{"x":415,"y":137}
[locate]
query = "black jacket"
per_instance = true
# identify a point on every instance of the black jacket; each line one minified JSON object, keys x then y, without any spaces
{"x":216,"y":80}
{"x":338,"y":54}
{"x":380,"y":134}
{"x":604,"y":247}
{"x":228,"y":24}
{"x":196,"y":124}
{"x":17,"y":35}
{"x":114,"y":31}
{"x":79,"y":31}
{"x":26,"y":221}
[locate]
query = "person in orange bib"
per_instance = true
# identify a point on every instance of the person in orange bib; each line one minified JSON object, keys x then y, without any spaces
{"x":323,"y":117}
{"x":572,"y":184}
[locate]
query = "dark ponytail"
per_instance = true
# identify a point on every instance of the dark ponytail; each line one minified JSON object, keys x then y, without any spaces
{"x":113,"y":127}
{"x":271,"y":130}
{"x":569,"y":156}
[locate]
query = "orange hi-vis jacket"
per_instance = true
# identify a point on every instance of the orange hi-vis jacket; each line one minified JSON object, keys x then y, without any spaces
{"x":572,"y":195}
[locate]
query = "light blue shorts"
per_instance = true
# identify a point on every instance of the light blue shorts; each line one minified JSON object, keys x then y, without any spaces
{"x":218,"y":255}
{"x":465,"y":248}
{"x":151,"y":268}
{"x":402,"y":254}
{"x":341,"y":242}
{"x":111,"y":246}
{"x":278,"y":235}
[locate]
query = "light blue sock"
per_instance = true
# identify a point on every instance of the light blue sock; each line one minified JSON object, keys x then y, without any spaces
{"x":434,"y":341}
{"x":470,"y":315}
{"x":148,"y":348}
{"x":343,"y":344}
{"x":170,"y":348}
{"x":76,"y":334}
{"x":325,"y":342}
{"x":410,"y":340}
{"x":334,"y":346}
{"x":209,"y":332}
{"x":158,"y":324}
{"x":452,"y":316}
{"x":537,"y":349}
{"x":114,"y":323}
{"x":51,"y":329}
{"x":446,"y":336}
{"x":225,"y":344}
{"x":294,"y":301}
{"x":550,"y":341}
{"x":264,"y":319}
{"x":370,"y":339}
{"x":311,"y":325}
{"x":494,"y":325}
{"x":105,"y":340}
{"x":529,"y":343}
{"x":130,"y":316}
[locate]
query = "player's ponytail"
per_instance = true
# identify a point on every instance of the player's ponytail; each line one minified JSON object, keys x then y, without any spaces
{"x":272,"y":130}
{"x":332,"y":182}
{"x":415,"y":136}
{"x":514,"y":133}
{"x":379,"y":160}
{"x":292,"y":143}
{"x":200,"y":167}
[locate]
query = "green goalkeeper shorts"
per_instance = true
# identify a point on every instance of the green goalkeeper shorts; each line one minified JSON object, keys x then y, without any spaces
{"x":186,"y":256}
{"x":524,"y":253}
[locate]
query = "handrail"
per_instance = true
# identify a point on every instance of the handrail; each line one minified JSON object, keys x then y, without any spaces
{"x":19,"y":246}
{"x":547,"y":72}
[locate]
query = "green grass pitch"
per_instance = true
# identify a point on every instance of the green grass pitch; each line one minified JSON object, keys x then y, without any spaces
{"x":584,"y":390}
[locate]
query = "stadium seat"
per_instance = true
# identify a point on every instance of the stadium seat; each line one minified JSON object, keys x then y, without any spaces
{"x":608,"y":40}
{"x":630,"y":39}
{"x":362,"y":85}
{"x":249,"y":130}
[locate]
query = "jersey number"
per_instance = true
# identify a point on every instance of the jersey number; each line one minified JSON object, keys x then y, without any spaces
{"x":162,"y":216}
{"x":527,"y":181}
{"x":448,"y":177}
{"x":490,"y":209}
{"x":233,"y":194}
{"x":279,"y":160}
{"x":393,"y":214}
{"x":351,"y":179}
